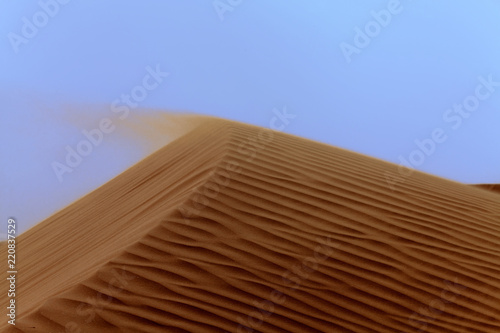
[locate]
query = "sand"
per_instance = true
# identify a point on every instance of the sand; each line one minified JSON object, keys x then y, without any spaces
{"x":491,"y":187}
{"x":236,"y":228}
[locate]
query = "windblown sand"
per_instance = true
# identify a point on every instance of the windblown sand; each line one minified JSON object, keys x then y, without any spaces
{"x":235,"y":228}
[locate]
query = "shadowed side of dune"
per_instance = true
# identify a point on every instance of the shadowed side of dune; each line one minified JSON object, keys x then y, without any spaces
{"x":490,"y":187}
{"x":274,"y":233}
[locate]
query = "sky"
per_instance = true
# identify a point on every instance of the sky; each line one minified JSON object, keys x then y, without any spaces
{"x":415,"y":83}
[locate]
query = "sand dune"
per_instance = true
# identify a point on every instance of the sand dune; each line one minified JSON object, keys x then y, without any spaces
{"x":491,"y":187}
{"x":234,"y":228}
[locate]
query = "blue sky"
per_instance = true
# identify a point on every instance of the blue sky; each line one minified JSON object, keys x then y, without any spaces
{"x":377,"y":77}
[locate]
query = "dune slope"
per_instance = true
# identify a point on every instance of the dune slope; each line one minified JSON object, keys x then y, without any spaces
{"x":491,"y":187}
{"x":234,"y":228}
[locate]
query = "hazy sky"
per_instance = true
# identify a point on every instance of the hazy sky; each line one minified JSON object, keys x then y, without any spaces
{"x":377,"y":77}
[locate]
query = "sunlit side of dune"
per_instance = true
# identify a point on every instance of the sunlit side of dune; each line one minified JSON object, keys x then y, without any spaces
{"x":235,"y":228}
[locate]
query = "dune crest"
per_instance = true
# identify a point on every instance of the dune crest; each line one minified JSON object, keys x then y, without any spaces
{"x":236,"y":228}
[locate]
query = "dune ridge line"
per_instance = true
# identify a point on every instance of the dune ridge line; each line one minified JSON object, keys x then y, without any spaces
{"x":236,"y":228}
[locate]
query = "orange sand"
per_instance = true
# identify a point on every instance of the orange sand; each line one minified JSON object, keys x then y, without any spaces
{"x":234,"y":228}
